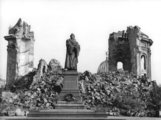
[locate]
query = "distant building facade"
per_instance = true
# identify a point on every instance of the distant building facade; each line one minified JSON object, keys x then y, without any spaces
{"x":104,"y":67}
{"x":20,"y":51}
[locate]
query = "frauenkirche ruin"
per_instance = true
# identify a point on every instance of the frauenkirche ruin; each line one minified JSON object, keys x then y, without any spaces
{"x":53,"y":92}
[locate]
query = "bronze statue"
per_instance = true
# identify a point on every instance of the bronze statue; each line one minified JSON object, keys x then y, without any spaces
{"x":72,"y":53}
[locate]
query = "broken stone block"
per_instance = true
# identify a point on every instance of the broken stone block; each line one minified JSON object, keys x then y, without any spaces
{"x":54,"y":65}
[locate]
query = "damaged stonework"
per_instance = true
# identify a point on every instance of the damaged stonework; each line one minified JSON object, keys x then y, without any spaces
{"x":132,"y":48}
{"x":20,"y":51}
{"x":53,"y":66}
{"x":41,"y":69}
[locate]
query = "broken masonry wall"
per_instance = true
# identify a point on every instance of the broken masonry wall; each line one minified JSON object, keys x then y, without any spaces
{"x":132,"y":34}
{"x":119,"y":51}
{"x":129,"y":48}
{"x":20,"y":56}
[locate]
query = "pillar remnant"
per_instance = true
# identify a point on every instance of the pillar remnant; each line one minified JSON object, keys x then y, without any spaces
{"x":20,"y":51}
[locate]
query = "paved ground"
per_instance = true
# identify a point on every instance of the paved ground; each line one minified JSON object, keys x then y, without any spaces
{"x":135,"y":118}
{"x":108,"y":118}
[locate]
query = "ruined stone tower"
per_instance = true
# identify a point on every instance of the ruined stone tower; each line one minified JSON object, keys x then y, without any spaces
{"x":132,"y":48}
{"x":20,"y":51}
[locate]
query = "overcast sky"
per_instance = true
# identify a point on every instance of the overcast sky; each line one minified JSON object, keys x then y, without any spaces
{"x":90,"y":20}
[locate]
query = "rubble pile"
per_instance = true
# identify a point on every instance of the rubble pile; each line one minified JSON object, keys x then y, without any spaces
{"x":24,"y":82}
{"x":33,"y":92}
{"x":117,"y":93}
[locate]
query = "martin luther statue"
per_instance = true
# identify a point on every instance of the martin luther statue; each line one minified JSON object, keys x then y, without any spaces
{"x":72,"y":53}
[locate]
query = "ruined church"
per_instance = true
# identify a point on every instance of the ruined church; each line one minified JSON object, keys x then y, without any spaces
{"x":130,"y":47}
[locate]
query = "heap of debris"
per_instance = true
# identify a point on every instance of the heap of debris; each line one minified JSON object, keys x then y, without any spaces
{"x":119,"y":93}
{"x":37,"y":90}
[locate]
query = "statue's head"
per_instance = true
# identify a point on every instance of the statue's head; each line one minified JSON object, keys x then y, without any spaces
{"x":72,"y":36}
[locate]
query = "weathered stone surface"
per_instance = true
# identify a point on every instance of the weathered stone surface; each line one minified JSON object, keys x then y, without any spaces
{"x":54,"y":65}
{"x":132,"y":48}
{"x":42,"y":68}
{"x":20,"y":51}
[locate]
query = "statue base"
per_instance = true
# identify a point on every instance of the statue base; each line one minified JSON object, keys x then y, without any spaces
{"x":70,"y":86}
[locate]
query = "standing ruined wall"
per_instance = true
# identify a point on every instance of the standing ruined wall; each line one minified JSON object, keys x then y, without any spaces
{"x":119,"y":51}
{"x":20,"y":51}
{"x":132,"y":48}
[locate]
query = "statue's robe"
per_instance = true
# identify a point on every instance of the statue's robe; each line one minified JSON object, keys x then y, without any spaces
{"x":72,"y":53}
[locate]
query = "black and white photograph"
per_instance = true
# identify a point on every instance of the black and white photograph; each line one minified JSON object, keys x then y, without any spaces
{"x":80,"y":59}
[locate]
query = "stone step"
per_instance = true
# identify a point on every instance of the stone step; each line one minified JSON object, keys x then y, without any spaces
{"x":59,"y":118}
{"x":72,"y":102}
{"x":64,"y":110}
{"x":67,"y":113}
{"x":69,"y":106}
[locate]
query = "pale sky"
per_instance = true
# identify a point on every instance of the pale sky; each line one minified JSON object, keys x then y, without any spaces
{"x":90,"y":20}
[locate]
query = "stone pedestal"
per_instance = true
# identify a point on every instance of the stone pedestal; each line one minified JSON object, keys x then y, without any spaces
{"x":70,"y":85}
{"x":70,"y":80}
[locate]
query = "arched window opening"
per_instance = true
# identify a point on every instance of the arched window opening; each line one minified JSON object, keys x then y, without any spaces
{"x":143,"y":63}
{"x":120,"y":66}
